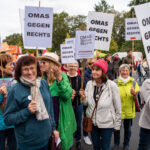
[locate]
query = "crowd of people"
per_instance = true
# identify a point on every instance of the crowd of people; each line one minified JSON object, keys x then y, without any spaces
{"x":40,"y":96}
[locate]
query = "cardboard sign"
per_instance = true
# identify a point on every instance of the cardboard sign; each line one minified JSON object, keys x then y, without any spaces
{"x":102,"y":24}
{"x":67,"y":53}
{"x":143,"y":18}
{"x":38,"y":27}
{"x":132,"y":31}
{"x":84,"y":44}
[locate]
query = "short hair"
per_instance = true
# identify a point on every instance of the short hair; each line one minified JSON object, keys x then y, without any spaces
{"x":123,"y":66}
{"x":105,"y":58}
{"x":5,"y":59}
{"x":104,"y":76}
{"x":129,"y":50}
{"x":25,"y":61}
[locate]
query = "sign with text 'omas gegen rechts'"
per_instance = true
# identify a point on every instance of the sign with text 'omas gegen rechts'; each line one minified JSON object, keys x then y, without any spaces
{"x":102,"y":24}
{"x":67,"y":53}
{"x":132,"y":31}
{"x":143,"y":18}
{"x":38,"y":27}
{"x":84,"y":44}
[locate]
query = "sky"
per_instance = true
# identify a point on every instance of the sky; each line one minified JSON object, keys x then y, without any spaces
{"x":10,"y":17}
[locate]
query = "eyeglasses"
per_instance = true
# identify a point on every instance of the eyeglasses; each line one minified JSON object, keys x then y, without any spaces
{"x":73,"y":66}
{"x":90,"y":63}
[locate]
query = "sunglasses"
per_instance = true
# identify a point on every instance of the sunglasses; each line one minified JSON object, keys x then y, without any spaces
{"x":90,"y":63}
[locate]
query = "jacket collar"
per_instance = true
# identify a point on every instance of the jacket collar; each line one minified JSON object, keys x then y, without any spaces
{"x":120,"y":82}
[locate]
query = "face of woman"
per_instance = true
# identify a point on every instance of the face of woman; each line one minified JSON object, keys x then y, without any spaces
{"x":96,"y":73}
{"x":124,"y":72}
{"x":44,"y":66}
{"x":29,"y":72}
{"x":9,"y":67}
{"x":72,"y":68}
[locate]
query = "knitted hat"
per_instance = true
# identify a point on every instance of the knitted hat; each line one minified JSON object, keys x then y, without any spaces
{"x":49,"y":56}
{"x":102,"y":64}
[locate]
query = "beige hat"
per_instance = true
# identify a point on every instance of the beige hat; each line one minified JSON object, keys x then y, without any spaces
{"x":49,"y":56}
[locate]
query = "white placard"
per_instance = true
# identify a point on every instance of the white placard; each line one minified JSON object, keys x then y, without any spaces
{"x":0,"y":43}
{"x":132,"y":31}
{"x":38,"y":27}
{"x":143,"y":18}
{"x":70,"y":41}
{"x":102,"y":23}
{"x":84,"y":44}
{"x":67,"y":53}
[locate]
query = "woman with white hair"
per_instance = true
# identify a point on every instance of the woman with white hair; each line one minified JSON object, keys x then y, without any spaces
{"x":127,"y":89}
{"x":75,"y":81}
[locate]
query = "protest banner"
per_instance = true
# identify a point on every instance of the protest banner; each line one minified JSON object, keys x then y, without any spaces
{"x":38,"y":27}
{"x":67,"y":53}
{"x":84,"y":44}
{"x":143,"y":18}
{"x":102,"y":24}
{"x":132,"y":31}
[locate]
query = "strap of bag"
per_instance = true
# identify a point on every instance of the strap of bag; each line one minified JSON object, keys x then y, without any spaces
{"x":96,"y":103}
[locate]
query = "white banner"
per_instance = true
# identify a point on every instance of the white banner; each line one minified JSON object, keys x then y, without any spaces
{"x":143,"y":18}
{"x":67,"y":53}
{"x":132,"y":31}
{"x":84,"y":44}
{"x":102,"y":23}
{"x":38,"y":27}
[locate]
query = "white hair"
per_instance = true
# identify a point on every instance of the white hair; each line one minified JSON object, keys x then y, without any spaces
{"x":123,"y":66}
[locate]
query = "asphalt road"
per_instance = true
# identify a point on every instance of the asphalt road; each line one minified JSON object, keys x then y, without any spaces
{"x":133,"y":142}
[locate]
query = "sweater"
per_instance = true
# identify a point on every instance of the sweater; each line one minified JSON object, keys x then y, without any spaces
{"x":30,"y":132}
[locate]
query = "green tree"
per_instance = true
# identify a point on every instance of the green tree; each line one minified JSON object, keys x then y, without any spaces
{"x":137,"y":2}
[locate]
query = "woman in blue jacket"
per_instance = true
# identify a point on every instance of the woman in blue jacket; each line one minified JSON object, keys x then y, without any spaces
{"x":6,"y":132}
{"x":30,"y":113}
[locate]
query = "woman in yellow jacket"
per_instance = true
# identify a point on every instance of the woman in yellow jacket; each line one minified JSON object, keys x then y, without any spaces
{"x":127,"y":89}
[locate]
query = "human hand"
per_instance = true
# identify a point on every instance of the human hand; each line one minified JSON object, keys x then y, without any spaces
{"x":57,"y":73}
{"x":32,"y":107}
{"x":3,"y":89}
{"x":132,"y":91}
{"x":56,"y":134}
{"x":82,"y":93}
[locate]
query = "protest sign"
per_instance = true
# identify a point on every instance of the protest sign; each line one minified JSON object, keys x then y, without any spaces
{"x":102,"y":24}
{"x":67,"y":53}
{"x":70,"y":41}
{"x":7,"y":81}
{"x":132,"y":31}
{"x":143,"y":18}
{"x":84,"y":44}
{"x":38,"y":27}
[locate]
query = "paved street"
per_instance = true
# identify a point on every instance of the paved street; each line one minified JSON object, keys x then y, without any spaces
{"x":134,"y":138}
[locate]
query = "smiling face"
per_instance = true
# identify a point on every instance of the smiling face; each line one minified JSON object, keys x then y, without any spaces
{"x":9,"y":67}
{"x":124,"y":72}
{"x":96,"y":73}
{"x":72,"y":68}
{"x":29,"y":72}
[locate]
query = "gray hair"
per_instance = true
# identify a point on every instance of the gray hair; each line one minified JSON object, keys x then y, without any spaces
{"x":75,"y":62}
{"x":123,"y":66}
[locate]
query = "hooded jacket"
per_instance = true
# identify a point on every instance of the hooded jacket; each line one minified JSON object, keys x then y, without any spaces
{"x":127,"y":99}
{"x":108,"y":112}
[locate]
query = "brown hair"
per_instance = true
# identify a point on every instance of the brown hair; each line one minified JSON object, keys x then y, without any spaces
{"x":5,"y":59}
{"x":104,"y":77}
{"x":25,"y":61}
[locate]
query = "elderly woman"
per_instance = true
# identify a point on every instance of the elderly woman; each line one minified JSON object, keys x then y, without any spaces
{"x":127,"y":89}
{"x":107,"y":115}
{"x":75,"y":81}
{"x":6,"y":132}
{"x":144,"y":122}
{"x":30,"y":110}
{"x":61,"y":92}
